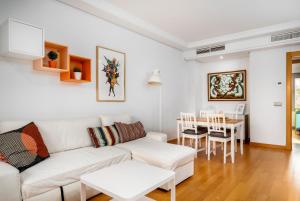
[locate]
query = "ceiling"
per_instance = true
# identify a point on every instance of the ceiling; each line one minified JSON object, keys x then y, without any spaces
{"x":196,"y":20}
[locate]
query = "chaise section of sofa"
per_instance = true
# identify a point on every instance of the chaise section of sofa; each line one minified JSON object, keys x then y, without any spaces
{"x":154,"y":150}
{"x":164,"y":155}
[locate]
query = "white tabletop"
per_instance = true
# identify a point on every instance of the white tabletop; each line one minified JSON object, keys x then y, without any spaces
{"x":128,"y":180}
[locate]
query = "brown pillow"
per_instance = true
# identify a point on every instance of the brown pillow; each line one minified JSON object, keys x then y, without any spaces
{"x":128,"y":132}
{"x":23,"y":147}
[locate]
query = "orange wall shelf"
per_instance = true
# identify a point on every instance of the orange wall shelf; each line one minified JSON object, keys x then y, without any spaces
{"x":84,"y":64}
{"x":62,"y":60}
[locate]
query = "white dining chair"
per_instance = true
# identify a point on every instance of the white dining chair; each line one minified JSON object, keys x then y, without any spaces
{"x":217,"y":132}
{"x":189,"y":130}
{"x":238,"y":114}
{"x":203,"y":114}
{"x":239,"y":110}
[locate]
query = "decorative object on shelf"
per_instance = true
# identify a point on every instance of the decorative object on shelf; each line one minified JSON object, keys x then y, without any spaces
{"x":77,"y":63}
{"x":110,"y":74}
{"x":52,"y":55}
{"x":155,"y":80}
{"x":77,"y":73}
{"x":55,"y":60}
{"x":227,"y":86}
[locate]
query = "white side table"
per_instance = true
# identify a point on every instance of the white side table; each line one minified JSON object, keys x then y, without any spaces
{"x":128,"y":181}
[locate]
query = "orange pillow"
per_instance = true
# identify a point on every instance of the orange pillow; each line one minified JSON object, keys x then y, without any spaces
{"x":23,"y":147}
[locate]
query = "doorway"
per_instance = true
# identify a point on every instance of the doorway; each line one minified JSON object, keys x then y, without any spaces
{"x":296,"y":105}
{"x":293,"y":100}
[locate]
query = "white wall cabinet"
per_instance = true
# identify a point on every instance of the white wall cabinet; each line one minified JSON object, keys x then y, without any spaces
{"x":21,"y":40}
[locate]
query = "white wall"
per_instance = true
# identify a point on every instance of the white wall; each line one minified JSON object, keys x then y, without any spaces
{"x":200,"y":71}
{"x":28,"y":94}
{"x":266,"y":68}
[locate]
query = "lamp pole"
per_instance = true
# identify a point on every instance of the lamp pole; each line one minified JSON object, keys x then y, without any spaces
{"x":156,"y":81}
{"x":160,"y":108}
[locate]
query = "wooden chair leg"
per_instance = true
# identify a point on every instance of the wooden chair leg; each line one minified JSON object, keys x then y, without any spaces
{"x":196,"y":146}
{"x":208,"y":154}
{"x":183,"y":139}
{"x":235,"y":144}
{"x":225,"y":152}
{"x":214,"y":147}
{"x":206,"y":144}
{"x":200,"y":142}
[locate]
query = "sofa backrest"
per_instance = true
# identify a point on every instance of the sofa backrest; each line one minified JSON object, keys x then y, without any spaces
{"x":59,"y":135}
{"x":108,"y":120}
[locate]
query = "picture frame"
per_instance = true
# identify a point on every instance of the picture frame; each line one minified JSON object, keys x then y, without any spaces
{"x":227,"y":86}
{"x":110,"y":75}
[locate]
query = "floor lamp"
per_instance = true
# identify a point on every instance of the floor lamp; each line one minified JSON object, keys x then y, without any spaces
{"x":155,"y":80}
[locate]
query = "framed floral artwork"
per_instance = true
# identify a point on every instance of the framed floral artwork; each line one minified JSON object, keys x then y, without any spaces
{"x":110,"y":75}
{"x":227,"y":86}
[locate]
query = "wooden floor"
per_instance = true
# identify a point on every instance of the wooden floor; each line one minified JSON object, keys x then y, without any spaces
{"x":260,"y":175}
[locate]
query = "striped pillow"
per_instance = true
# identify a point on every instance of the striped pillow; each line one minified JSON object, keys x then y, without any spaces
{"x":128,"y":132}
{"x":104,"y":136}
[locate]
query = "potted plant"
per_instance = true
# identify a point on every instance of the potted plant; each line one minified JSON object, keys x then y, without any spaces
{"x":77,"y":73}
{"x":52,"y":56}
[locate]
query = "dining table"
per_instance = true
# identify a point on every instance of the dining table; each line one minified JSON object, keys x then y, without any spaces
{"x":230,"y":123}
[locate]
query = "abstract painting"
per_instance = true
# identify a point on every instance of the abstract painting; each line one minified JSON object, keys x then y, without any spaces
{"x":110,"y":75}
{"x":227,"y":86}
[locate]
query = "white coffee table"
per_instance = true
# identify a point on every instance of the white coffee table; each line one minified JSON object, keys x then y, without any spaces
{"x":128,"y":181}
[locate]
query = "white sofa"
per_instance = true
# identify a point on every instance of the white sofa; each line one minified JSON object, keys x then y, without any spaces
{"x":168,"y":156}
{"x":72,"y":154}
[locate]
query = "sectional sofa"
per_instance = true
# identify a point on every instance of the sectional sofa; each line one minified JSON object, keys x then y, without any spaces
{"x":72,"y":155}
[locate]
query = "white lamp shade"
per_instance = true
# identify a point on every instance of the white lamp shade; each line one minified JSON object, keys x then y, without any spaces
{"x":155,"y":78}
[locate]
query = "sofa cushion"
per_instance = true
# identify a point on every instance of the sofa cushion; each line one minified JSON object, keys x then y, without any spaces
{"x":108,"y":120}
{"x":23,"y":147}
{"x":60,"y":135}
{"x":160,"y":154}
{"x":66,"y":167}
{"x":128,"y":132}
{"x":104,"y":136}
{"x":10,"y":183}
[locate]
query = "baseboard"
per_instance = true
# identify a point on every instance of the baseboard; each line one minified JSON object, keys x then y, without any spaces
{"x":174,"y":141}
{"x":254,"y":144}
{"x":271,"y":146}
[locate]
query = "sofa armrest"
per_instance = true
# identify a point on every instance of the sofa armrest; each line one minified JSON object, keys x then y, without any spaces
{"x":10,"y":183}
{"x":162,"y":137}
